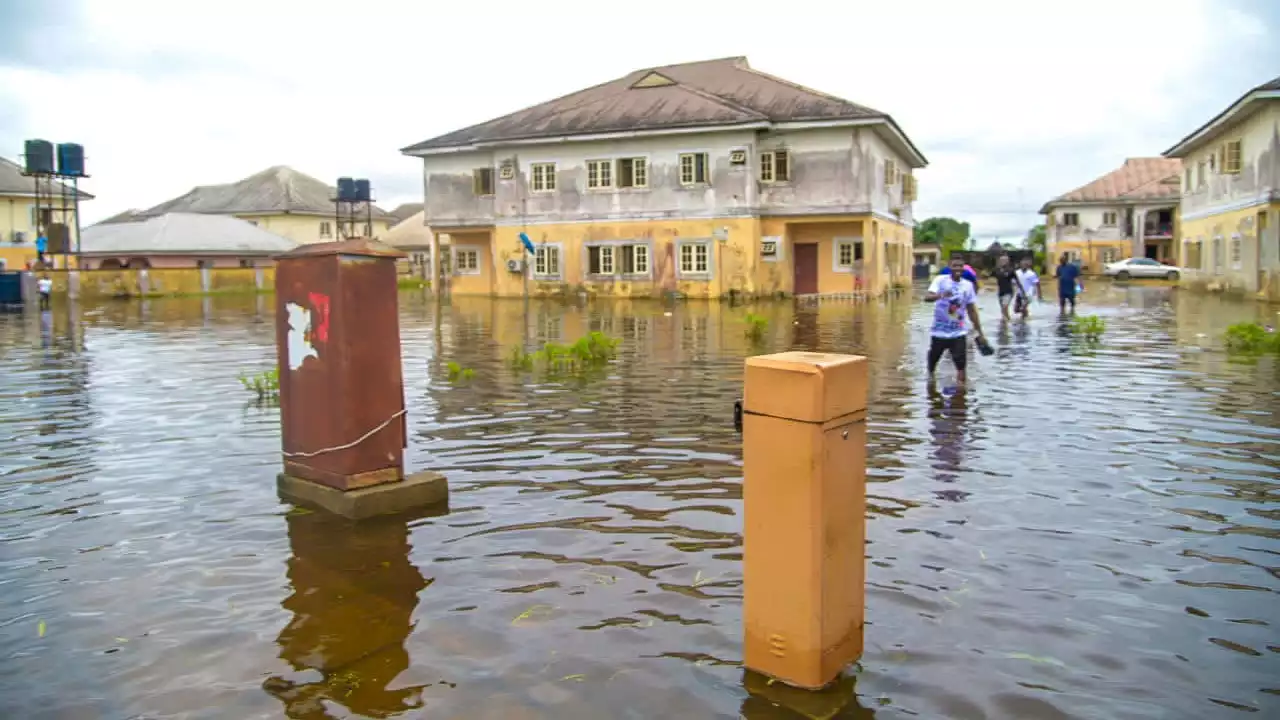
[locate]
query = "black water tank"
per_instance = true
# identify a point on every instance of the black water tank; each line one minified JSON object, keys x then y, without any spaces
{"x":346,"y":190}
{"x":363,"y":192}
{"x":39,"y":157}
{"x":70,"y":160}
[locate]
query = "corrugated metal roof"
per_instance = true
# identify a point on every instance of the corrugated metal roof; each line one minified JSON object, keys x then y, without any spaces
{"x":1138,"y":179}
{"x":183,"y":234}
{"x":278,"y":189}
{"x":13,"y":182}
{"x":410,"y":233}
{"x":406,"y":211}
{"x":726,"y":91}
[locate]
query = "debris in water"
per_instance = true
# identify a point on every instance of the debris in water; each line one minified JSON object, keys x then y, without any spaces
{"x":40,"y":628}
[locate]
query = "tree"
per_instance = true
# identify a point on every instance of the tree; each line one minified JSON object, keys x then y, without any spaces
{"x":1037,"y":242}
{"x":949,"y":234}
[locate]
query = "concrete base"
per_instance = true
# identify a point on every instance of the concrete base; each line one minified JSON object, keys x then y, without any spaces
{"x":415,"y":491}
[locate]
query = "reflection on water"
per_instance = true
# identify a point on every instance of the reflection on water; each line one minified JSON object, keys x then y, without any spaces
{"x":1085,"y":532}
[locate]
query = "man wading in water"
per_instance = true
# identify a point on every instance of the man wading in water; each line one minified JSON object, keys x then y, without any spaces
{"x":1004,"y":284}
{"x":953,"y":299}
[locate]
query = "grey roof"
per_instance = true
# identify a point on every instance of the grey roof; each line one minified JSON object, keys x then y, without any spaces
{"x":721,"y":92}
{"x":410,"y":233}
{"x":277,"y":189}
{"x":183,"y":234}
{"x":1267,"y":87}
{"x":130,"y":215}
{"x":406,"y":211}
{"x":13,"y":182}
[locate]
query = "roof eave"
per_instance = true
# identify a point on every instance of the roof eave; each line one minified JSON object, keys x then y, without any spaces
{"x":1209,"y":129}
{"x":1049,"y":206}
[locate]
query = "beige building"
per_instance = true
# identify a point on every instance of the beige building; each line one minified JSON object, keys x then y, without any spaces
{"x":1129,"y":212}
{"x":280,"y":200}
{"x":1230,"y":196}
{"x":19,"y":221}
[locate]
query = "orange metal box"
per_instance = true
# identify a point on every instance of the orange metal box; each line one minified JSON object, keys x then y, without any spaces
{"x":341,"y":387}
{"x":804,"y":457}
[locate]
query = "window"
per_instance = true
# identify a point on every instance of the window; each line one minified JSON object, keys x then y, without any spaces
{"x":635,"y":259}
{"x":909,"y":188}
{"x":1213,"y":161}
{"x":1199,"y":174}
{"x":600,"y":260}
{"x":368,"y":230}
{"x":695,"y":258}
{"x":633,"y":172}
{"x":1071,"y":219}
{"x":246,"y":263}
{"x":890,"y":172}
{"x":775,"y":166}
{"x":326,"y":229}
{"x":41,"y":218}
{"x":599,"y":174}
{"x":543,"y":177}
{"x":1217,"y":254}
{"x":1236,"y":246}
{"x":1108,"y":255}
{"x":1186,"y":179}
{"x":693,"y":169}
{"x":1109,"y":218}
{"x":546,"y":261}
{"x":482,"y":181}
{"x":466,"y":261}
{"x":1231,"y":159}
{"x":1192,"y":255}
{"x":844,"y":254}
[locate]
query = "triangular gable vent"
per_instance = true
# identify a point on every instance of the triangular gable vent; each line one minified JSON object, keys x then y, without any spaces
{"x":653,"y":79}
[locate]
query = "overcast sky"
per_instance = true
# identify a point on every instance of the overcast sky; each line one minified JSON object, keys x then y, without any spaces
{"x":1012,"y":102}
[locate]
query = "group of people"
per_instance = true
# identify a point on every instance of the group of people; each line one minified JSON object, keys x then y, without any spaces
{"x":954,"y":294}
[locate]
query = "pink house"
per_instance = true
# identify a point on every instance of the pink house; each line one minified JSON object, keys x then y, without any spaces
{"x":180,"y":240}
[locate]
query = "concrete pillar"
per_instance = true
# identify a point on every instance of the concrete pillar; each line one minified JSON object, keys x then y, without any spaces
{"x":205,"y":280}
{"x":73,"y":284}
{"x":342,"y":412}
{"x":804,"y":450}
{"x":144,"y":282}
{"x":258,"y":280}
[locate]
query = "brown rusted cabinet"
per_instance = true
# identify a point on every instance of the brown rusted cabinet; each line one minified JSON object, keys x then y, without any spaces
{"x":341,"y":387}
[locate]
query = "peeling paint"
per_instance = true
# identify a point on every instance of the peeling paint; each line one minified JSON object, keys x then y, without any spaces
{"x":299,"y":340}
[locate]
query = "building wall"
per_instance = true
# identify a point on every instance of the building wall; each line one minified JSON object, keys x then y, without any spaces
{"x":1092,"y":230}
{"x":1230,"y":223}
{"x":95,"y":262}
{"x":16,"y":217}
{"x":833,"y":171}
{"x":308,"y":228}
{"x":165,"y":282}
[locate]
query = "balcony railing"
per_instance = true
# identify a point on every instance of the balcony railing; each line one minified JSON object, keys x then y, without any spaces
{"x":1158,"y":230}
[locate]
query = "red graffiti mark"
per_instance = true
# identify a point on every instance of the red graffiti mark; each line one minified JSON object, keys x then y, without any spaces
{"x":320,"y":302}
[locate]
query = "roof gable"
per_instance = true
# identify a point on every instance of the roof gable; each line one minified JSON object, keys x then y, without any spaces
{"x":1137,"y":179}
{"x":13,"y":182}
{"x":277,"y":189}
{"x":1216,"y":124}
{"x":721,"y":92}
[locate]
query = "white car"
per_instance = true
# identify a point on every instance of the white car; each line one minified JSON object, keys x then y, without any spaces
{"x":1140,"y":268}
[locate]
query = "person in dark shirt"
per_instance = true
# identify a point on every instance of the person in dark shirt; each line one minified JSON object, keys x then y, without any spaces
{"x":1068,"y":274}
{"x":1004,"y":284}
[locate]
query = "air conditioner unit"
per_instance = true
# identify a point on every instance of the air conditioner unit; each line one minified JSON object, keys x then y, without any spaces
{"x":515,"y":266}
{"x":19,"y":236}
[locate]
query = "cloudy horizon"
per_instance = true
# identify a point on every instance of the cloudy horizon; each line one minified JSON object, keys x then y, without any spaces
{"x":1012,"y":104}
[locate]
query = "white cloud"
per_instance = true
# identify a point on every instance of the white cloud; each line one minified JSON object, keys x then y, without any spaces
{"x":1013,"y":102}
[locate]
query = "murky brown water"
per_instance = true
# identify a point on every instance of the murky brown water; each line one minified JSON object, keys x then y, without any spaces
{"x":1087,"y":534}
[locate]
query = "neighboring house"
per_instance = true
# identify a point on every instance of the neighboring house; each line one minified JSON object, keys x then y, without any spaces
{"x":1129,"y":212}
{"x":19,"y":221}
{"x":180,"y":240}
{"x":131,"y":215}
{"x":412,"y":237}
{"x":279,"y":199}
{"x":404,"y":212}
{"x":702,"y":179}
{"x":926,"y":259}
{"x":1230,"y":213}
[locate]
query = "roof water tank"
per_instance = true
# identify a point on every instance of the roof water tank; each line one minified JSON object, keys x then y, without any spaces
{"x":363,"y":192}
{"x":70,"y":160}
{"x":39,"y":157}
{"x":346,"y":189}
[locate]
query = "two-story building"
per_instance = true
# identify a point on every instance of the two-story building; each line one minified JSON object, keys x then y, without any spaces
{"x":700,"y":179}
{"x":20,"y":221}
{"x":1230,"y":211}
{"x":279,"y":200}
{"x":1129,"y":212}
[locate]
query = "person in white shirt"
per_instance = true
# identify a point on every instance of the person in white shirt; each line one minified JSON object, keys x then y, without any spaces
{"x":954,"y":301}
{"x":1028,"y":282}
{"x":45,"y":286}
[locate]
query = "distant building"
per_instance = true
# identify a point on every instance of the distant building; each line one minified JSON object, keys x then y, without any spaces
{"x":701,"y":179}
{"x":1129,"y":212}
{"x":279,"y":199}
{"x":412,"y":237}
{"x":180,"y":240}
{"x":1230,"y":212}
{"x":404,"y":212}
{"x":19,"y":221}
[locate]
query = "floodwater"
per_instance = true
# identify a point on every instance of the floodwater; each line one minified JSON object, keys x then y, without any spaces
{"x":1090,"y":532}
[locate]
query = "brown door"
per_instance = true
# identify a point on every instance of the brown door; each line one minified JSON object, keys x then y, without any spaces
{"x":806,"y":269}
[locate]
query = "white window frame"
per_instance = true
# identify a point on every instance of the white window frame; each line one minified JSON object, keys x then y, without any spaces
{"x":1219,"y":254}
{"x":709,"y":244}
{"x":600,"y":163}
{"x":457,"y":270}
{"x":853,"y":241}
{"x":768,"y":160}
{"x":778,"y":255}
{"x":326,"y":229}
{"x":1114,"y":218}
{"x":534,"y":175}
{"x":559,"y":273}
{"x":1109,"y":255}
{"x":705,"y":182}
{"x":617,"y":172}
{"x":616,"y":248}
{"x":1235,"y":252}
{"x":475,"y":182}
{"x":1068,"y":213}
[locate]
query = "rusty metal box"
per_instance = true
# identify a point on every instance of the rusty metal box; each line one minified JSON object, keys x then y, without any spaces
{"x":341,"y":387}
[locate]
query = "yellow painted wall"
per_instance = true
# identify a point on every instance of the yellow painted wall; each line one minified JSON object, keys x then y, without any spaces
{"x":1216,"y":269}
{"x":15,"y":216}
{"x":163,"y":281}
{"x":1091,"y":254}
{"x":306,"y":228}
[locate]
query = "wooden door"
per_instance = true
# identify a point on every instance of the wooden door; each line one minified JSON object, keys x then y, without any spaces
{"x":806,"y":281}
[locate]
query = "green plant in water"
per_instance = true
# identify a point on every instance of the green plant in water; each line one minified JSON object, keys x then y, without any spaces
{"x":1251,"y":338}
{"x":757,"y":325}
{"x":593,"y":350}
{"x":266,"y":384}
{"x":1090,"y":327}
{"x":457,"y":372}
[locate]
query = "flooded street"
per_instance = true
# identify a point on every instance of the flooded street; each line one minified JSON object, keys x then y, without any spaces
{"x":1090,"y":532}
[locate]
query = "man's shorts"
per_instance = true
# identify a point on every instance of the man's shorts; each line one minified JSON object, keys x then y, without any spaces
{"x":1005,"y":300}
